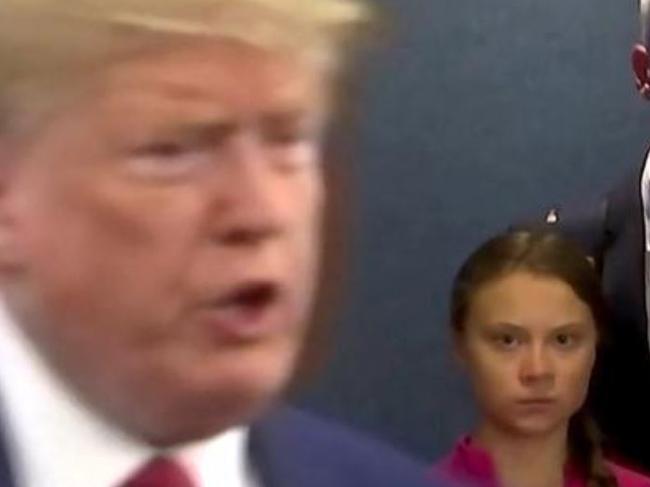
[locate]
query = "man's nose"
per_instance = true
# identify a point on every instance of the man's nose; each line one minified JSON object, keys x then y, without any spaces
{"x":250,"y":198}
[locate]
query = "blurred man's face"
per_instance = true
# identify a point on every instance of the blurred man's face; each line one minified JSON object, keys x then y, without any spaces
{"x":163,"y":236}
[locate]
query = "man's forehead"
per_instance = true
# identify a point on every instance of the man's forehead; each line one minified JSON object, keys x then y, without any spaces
{"x":230,"y":76}
{"x":180,"y":63}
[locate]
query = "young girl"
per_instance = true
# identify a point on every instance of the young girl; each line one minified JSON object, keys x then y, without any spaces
{"x":527,"y":313}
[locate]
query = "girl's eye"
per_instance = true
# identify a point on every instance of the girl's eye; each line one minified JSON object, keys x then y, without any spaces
{"x":506,"y":340}
{"x":566,"y":340}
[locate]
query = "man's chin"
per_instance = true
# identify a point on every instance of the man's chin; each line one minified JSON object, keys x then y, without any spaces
{"x":207,"y":411}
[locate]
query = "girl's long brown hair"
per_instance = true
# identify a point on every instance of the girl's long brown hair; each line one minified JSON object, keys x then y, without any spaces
{"x":546,"y":254}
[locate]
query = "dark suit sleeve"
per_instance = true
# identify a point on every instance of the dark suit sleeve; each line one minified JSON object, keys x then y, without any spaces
{"x":290,"y":448}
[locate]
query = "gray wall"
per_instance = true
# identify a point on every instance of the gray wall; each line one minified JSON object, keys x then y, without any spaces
{"x":477,"y":113}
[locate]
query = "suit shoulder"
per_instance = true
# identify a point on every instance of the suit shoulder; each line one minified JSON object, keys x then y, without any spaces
{"x":320,"y":434}
{"x":333,"y":453}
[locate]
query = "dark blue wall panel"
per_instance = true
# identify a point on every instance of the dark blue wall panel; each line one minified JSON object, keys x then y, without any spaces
{"x":475,"y":113}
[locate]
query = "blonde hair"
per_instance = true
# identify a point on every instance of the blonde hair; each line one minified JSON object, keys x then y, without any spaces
{"x":45,"y":44}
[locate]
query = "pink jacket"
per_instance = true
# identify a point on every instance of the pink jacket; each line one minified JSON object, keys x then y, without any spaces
{"x":469,"y":465}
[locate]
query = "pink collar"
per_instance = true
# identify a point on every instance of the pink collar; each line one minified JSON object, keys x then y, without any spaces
{"x":470,"y":463}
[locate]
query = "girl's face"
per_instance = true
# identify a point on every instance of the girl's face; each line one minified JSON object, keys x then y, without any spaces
{"x":529,"y":344}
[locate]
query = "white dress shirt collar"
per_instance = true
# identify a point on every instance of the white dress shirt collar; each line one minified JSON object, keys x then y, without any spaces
{"x":645,"y":198}
{"x":56,"y":441}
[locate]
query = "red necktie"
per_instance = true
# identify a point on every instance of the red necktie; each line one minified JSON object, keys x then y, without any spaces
{"x":160,"y":472}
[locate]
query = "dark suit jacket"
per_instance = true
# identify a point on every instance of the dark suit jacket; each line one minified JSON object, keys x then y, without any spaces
{"x":293,"y":449}
{"x":611,"y":229}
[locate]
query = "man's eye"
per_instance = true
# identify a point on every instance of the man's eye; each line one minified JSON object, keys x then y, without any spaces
{"x":168,"y":159}
{"x":288,"y":137}
{"x":163,"y":149}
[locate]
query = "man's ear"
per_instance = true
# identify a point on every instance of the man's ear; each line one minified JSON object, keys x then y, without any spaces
{"x":640,"y":66}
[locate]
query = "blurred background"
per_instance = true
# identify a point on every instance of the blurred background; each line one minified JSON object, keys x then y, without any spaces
{"x":475,"y":114}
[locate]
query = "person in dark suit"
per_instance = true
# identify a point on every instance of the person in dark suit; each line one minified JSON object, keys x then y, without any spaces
{"x":614,"y":229}
{"x":611,"y":230}
{"x":161,"y":203}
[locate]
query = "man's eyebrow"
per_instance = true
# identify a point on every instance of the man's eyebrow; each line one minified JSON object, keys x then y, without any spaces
{"x":199,"y":130}
{"x":288,"y":114}
{"x":221,"y":127}
{"x":302,"y":119}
